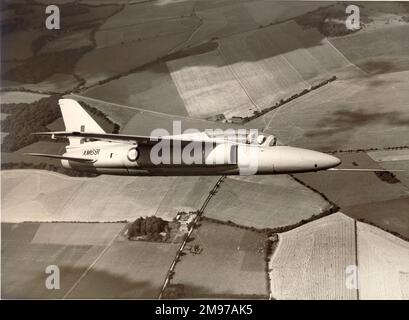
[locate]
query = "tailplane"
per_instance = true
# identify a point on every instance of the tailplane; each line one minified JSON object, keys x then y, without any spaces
{"x":77,"y":119}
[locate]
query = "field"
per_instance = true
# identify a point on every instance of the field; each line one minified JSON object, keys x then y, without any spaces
{"x":19,"y":45}
{"x":46,"y":60}
{"x":363,"y":195}
{"x":35,"y":195}
{"x":225,"y":18}
{"x":355,"y":105}
{"x":332,"y":117}
{"x":95,"y":261}
{"x":138,"y":34}
{"x":310,"y":261}
{"x":211,"y":83}
{"x":128,"y":56}
{"x":24,"y":262}
{"x":383,"y":264}
{"x":19,"y":97}
{"x":253,"y":70}
{"x":264,"y":201}
{"x":75,"y":40}
{"x":394,"y":160}
{"x":377,"y":50}
{"x":118,"y":32}
{"x":57,"y":83}
{"x":352,"y":188}
{"x":235,"y":258}
{"x":151,"y":89}
{"x":149,"y":11}
{"x":391,"y":215}
{"x":128,"y":270}
{"x":216,"y":90}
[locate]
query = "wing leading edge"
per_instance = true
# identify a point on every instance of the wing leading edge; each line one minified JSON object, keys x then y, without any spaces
{"x":56,"y":156}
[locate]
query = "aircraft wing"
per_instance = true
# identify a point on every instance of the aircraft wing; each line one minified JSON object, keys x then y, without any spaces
{"x":56,"y":156}
{"x":105,"y":136}
{"x":139,"y":139}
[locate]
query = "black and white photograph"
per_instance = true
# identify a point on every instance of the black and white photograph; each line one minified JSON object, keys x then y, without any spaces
{"x":207,"y":150}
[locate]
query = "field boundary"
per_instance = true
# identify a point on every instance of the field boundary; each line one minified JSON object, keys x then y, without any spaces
{"x":370,"y":149}
{"x":200,"y":212}
{"x":281,"y":102}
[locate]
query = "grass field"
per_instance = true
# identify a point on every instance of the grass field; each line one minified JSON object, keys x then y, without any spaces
{"x":151,"y":89}
{"x":332,"y":117}
{"x":394,"y":160}
{"x":47,"y":60}
{"x":353,"y":188}
{"x":383,"y":264}
{"x":363,"y":195}
{"x":310,"y":261}
{"x":35,"y":195}
{"x":58,"y":82}
{"x":391,"y":215}
{"x":93,"y":67}
{"x":76,"y":234}
{"x":377,"y":50}
{"x":149,"y":11}
{"x":19,"y":45}
{"x":234,"y":257}
{"x":78,"y":39}
{"x":127,"y":270}
{"x":264,"y":201}
{"x":20,"y":97}
{"x":225,"y":18}
{"x":109,"y":35}
{"x":94,"y":260}
{"x":24,"y":262}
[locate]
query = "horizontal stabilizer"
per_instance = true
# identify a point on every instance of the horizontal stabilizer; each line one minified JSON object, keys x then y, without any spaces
{"x":56,"y":156}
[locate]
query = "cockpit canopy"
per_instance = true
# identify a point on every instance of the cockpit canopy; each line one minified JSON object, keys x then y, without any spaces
{"x":243,"y":136}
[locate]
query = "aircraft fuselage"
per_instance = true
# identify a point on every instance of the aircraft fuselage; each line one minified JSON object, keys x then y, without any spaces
{"x":222,"y":159}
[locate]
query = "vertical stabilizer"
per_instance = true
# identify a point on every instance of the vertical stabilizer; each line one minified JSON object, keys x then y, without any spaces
{"x":77,"y":119}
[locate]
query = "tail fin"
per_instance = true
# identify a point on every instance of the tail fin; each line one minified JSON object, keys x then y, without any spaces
{"x":77,"y":119}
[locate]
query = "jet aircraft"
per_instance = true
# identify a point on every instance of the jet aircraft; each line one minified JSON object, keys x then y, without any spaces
{"x":91,"y":149}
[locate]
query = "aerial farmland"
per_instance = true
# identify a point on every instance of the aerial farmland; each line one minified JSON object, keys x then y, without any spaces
{"x":310,"y":261}
{"x":287,"y":68}
{"x":385,"y":257}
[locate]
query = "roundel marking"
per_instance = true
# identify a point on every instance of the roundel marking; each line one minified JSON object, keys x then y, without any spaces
{"x":133,"y":154}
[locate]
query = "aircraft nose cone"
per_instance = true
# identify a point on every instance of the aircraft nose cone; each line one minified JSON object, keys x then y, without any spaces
{"x":293,"y":159}
{"x":315,"y":160}
{"x":326,"y":161}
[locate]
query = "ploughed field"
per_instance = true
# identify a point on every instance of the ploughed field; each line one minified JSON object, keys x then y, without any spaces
{"x":336,"y":258}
